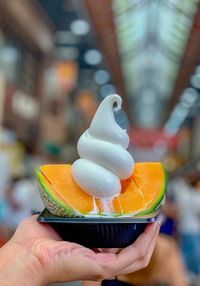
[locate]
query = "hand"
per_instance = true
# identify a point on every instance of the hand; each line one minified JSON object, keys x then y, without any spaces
{"x":37,"y":254}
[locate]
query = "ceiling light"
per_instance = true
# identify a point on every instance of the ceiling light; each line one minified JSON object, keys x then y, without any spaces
{"x":197,"y":70}
{"x":107,"y":89}
{"x":93,"y":57}
{"x":195,"y":80}
{"x":180,"y":111}
{"x":9,"y":54}
{"x":101,"y":77}
{"x":172,"y":127}
{"x":189,"y":95}
{"x":176,"y":119}
{"x":80,"y":27}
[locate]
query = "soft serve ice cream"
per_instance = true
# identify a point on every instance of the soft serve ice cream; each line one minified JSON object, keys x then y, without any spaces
{"x":104,"y":160}
{"x":102,"y":183}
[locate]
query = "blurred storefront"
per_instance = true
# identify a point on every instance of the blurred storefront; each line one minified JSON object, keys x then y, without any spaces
{"x":60,"y":58}
{"x":24,"y":47}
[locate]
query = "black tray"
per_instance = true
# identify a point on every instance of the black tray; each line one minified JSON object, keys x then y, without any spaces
{"x":98,"y":232}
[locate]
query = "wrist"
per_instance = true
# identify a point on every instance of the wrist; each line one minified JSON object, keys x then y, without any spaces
{"x":18,"y":264}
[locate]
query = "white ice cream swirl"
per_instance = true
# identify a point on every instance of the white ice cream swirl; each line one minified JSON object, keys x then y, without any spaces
{"x":102,"y":148}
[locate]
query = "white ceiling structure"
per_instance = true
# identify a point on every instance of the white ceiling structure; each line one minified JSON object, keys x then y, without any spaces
{"x":152,"y":37}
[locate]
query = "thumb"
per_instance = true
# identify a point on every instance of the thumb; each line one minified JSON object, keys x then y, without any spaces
{"x":69,"y":262}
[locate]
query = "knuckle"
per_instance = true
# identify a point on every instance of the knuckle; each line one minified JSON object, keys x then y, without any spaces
{"x":145,"y":262}
{"x":103,"y":274}
{"x":107,"y":276}
{"x":107,"y":266}
{"x":43,"y":252}
{"x":137,"y":252}
{"x":106,"y":273}
{"x":142,"y":253}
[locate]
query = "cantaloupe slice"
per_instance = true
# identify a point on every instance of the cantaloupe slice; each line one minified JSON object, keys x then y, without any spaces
{"x":140,"y":194}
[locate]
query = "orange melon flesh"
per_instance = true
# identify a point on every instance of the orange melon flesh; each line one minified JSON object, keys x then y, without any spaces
{"x":142,"y":192}
{"x":150,"y":179}
{"x":131,"y":200}
{"x":63,"y":186}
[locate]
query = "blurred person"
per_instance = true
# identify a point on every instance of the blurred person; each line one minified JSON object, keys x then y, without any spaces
{"x":187,"y":199}
{"x":165,"y":267}
{"x":169,"y":212}
{"x":24,"y":199}
{"x":35,"y":256}
{"x":4,"y":179}
{"x":169,"y":217}
{"x":4,"y":166}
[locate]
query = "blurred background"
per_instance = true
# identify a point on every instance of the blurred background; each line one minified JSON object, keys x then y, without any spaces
{"x":60,"y":58}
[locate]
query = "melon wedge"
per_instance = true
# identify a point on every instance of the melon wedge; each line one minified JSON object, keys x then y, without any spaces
{"x":140,"y":194}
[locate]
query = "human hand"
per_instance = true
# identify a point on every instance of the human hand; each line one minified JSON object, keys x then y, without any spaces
{"x":38,"y":255}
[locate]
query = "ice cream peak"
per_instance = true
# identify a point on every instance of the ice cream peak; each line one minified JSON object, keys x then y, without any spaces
{"x":104,"y":160}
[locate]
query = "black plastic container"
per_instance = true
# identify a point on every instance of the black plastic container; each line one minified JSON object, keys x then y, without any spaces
{"x":98,"y":232}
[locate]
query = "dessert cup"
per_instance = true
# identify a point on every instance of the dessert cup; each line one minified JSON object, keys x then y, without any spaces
{"x":104,"y":171}
{"x":99,"y":232}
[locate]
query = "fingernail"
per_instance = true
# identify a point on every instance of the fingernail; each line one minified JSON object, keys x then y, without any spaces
{"x":151,"y":226}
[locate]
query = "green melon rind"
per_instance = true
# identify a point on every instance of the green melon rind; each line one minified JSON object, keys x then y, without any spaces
{"x":53,"y":204}
{"x":159,"y":199}
{"x":56,"y":207}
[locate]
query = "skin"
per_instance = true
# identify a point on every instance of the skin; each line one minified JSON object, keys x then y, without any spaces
{"x":36,"y":255}
{"x":165,"y":267}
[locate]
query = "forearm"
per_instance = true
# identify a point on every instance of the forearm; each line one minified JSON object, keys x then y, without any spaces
{"x":18,"y":266}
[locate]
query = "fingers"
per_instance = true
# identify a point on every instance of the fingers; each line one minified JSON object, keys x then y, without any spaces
{"x":109,"y":250}
{"x":138,"y":249}
{"x":61,"y":258}
{"x":64,"y":261}
{"x":114,"y":264}
{"x":143,"y":261}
